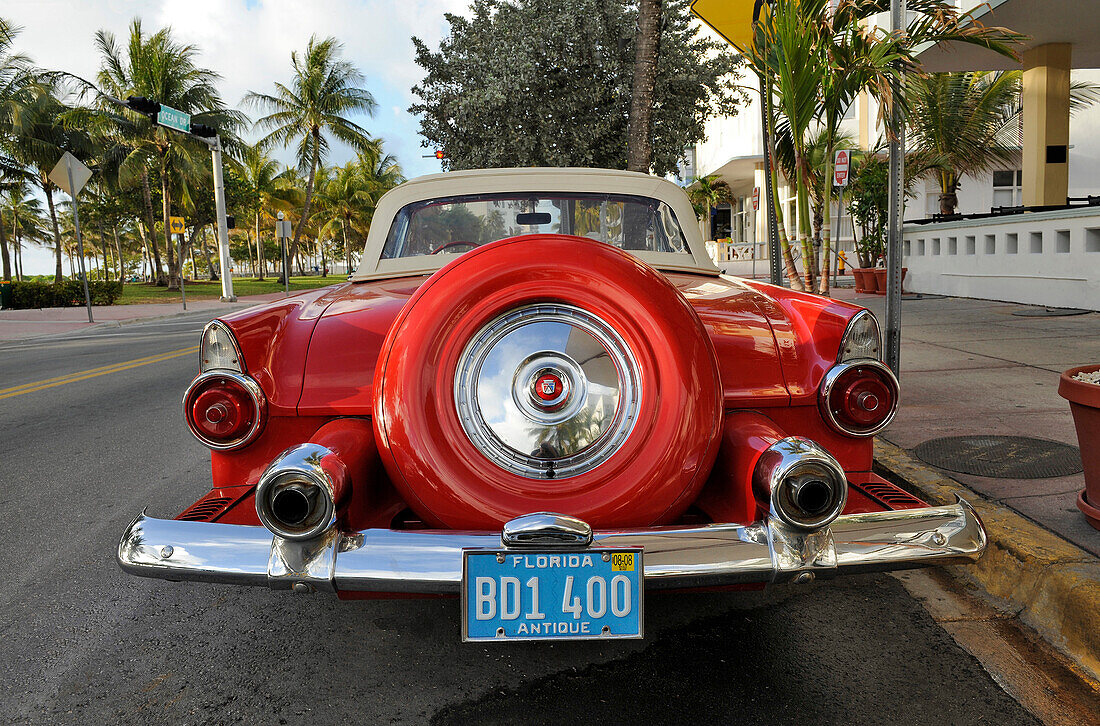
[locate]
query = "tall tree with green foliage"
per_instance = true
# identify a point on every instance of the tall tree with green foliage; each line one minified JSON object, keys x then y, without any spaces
{"x":16,"y":78}
{"x":549,"y":83}
{"x":160,"y":68}
{"x":323,"y":92}
{"x":817,"y":55}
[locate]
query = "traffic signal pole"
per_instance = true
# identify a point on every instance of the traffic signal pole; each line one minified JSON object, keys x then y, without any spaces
{"x":210,"y":137}
{"x":223,"y":227}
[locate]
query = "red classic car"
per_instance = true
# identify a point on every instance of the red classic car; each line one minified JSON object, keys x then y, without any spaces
{"x":538,"y":393}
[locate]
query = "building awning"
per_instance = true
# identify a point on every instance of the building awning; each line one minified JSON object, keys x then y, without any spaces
{"x":1042,"y":21}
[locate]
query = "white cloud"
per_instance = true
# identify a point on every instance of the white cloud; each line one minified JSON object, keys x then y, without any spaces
{"x":249,"y":43}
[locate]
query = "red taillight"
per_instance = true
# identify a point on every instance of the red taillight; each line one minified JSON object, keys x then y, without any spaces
{"x":224,"y":410}
{"x":859,"y":397}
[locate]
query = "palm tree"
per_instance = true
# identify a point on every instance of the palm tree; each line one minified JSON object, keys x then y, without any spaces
{"x":639,"y":141}
{"x":323,"y":91}
{"x":159,"y":68}
{"x":40,"y":137}
{"x":815,"y":56}
{"x":260,"y":174}
{"x":969,"y":123}
{"x":966,"y":122}
{"x":706,"y":192}
{"x":16,"y":76}
{"x":25,"y":218}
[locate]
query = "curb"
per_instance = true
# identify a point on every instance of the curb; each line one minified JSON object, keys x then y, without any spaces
{"x":1051,"y":585}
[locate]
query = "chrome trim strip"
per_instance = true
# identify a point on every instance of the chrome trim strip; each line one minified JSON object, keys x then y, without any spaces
{"x":255,"y":393}
{"x":829,"y":381}
{"x":425,"y":561}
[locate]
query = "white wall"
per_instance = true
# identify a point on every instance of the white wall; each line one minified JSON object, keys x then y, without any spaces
{"x":1045,"y":258}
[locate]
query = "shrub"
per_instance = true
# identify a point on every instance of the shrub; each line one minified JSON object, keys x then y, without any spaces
{"x":67,"y":293}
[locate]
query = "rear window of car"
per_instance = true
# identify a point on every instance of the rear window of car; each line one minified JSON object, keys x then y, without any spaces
{"x":454,"y":225}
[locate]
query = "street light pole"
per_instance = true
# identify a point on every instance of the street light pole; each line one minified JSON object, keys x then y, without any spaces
{"x":223,"y":228}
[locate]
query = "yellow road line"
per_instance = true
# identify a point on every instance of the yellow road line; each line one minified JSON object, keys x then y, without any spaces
{"x":107,"y":368}
{"x":93,"y":372}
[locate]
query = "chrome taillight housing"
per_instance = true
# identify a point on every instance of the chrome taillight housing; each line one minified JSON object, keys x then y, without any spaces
{"x":859,"y":397}
{"x":224,"y":408}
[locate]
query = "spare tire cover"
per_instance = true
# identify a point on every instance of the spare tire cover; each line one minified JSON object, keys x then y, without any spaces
{"x":547,"y":373}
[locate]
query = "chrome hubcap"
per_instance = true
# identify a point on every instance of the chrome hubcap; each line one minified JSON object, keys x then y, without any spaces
{"x":547,"y":391}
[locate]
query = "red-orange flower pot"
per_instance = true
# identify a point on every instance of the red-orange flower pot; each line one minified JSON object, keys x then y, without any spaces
{"x":1084,"y":402}
{"x":880,"y":280}
{"x":861,"y":274}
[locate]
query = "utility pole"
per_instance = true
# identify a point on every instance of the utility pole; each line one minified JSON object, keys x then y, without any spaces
{"x":896,"y":211}
{"x":223,"y":227}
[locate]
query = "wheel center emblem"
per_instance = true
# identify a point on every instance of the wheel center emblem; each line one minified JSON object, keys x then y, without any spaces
{"x":548,"y":386}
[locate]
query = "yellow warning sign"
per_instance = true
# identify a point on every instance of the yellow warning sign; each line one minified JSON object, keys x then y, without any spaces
{"x":175,"y":225}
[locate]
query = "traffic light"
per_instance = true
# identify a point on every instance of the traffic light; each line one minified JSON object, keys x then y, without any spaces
{"x":207,"y":132}
{"x":230,"y":221}
{"x":141,"y":104}
{"x":439,"y":154}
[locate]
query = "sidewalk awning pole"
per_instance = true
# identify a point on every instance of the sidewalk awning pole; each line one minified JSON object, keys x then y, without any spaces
{"x":895,"y":213}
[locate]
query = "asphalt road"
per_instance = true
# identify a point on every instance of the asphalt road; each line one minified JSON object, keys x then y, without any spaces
{"x":80,"y":642}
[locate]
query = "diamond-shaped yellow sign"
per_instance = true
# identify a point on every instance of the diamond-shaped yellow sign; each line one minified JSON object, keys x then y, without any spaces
{"x":732,"y":19}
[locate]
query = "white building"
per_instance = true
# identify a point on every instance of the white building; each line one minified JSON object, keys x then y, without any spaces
{"x":1047,"y":257}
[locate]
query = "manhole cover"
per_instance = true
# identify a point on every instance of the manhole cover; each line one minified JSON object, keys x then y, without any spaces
{"x":1010,"y":457}
{"x":1048,"y":312}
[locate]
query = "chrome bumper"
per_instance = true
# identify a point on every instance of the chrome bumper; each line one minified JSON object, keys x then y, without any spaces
{"x":424,"y":561}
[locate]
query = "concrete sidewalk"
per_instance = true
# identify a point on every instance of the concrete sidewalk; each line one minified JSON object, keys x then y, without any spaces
{"x":18,"y":325}
{"x":972,"y":367}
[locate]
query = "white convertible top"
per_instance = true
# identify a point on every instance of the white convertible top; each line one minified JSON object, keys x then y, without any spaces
{"x":564,"y":180}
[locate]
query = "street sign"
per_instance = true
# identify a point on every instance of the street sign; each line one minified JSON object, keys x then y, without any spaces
{"x":755,"y":198}
{"x":283,"y":229}
{"x":174,"y":119}
{"x":60,"y":174}
{"x":176,"y":225}
{"x":840,"y":167}
{"x":732,"y":19}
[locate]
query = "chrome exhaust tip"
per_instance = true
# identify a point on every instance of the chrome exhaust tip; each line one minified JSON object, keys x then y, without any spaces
{"x":801,"y":483}
{"x":298,"y":494}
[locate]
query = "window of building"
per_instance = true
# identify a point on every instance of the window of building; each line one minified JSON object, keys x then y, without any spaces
{"x":1008,"y":188}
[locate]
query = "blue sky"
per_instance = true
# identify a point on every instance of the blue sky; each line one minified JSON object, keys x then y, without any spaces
{"x":249,"y":43}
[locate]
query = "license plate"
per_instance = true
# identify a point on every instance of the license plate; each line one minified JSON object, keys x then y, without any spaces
{"x":510,"y":595}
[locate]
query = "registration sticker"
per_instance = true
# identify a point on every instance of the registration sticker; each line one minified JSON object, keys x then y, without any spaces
{"x":622,"y":562}
{"x":552,"y":595}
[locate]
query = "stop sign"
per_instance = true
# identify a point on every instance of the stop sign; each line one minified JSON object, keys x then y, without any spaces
{"x":840,"y":167}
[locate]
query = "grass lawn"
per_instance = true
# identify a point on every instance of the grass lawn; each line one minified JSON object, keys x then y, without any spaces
{"x":139,"y":292}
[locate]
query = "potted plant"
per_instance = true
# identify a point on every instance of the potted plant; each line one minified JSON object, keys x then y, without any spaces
{"x":868,"y":196}
{"x":1081,"y":387}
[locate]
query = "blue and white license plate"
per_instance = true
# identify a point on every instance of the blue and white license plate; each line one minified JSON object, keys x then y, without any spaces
{"x":510,"y":595}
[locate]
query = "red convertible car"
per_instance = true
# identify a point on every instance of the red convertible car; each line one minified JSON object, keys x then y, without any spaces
{"x":538,"y":393}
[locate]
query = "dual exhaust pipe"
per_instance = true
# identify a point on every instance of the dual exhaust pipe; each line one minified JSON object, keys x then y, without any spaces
{"x":303,"y":491}
{"x":800,"y":483}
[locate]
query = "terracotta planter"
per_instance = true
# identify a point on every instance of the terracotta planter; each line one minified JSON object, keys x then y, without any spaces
{"x":880,"y":280}
{"x":865,"y":279}
{"x":1084,"y":402}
